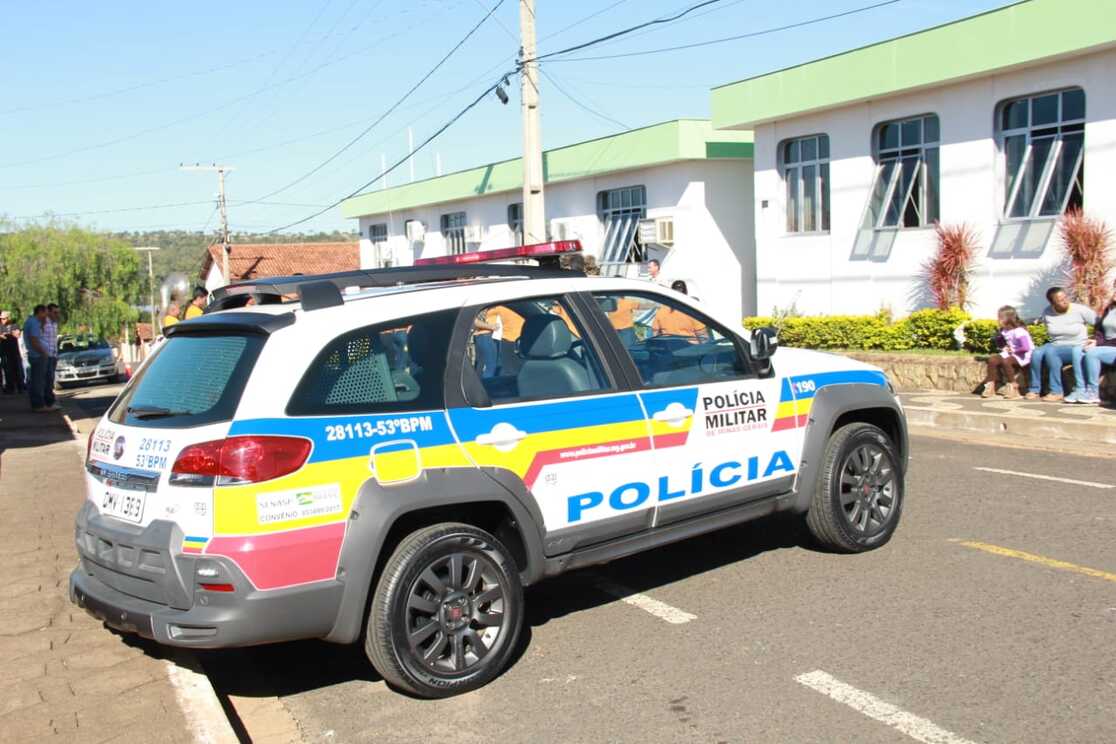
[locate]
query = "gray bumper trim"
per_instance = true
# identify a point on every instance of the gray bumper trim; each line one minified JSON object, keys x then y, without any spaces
{"x":230,"y":620}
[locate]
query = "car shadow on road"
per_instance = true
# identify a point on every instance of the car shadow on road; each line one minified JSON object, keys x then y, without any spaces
{"x":644,"y":572}
{"x":303,"y":666}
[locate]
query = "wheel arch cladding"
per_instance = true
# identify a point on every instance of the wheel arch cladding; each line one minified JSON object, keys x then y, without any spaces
{"x":382,"y":516}
{"x":835,"y":406}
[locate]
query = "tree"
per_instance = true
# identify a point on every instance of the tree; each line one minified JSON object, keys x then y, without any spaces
{"x":95,"y":279}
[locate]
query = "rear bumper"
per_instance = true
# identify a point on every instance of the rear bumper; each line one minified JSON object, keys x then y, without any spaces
{"x":260,"y":617}
{"x":137,"y":580}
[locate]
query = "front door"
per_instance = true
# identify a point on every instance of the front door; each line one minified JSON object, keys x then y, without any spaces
{"x":554,"y":421}
{"x":721,"y":434}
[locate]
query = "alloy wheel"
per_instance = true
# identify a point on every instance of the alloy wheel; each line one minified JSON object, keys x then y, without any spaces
{"x":456,"y":612}
{"x":868,"y":488}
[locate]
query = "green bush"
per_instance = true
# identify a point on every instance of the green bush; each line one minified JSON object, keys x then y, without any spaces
{"x":934,"y":329}
{"x":925,"y":329}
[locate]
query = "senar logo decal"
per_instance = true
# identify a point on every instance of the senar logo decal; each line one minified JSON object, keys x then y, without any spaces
{"x":287,"y":506}
{"x":742,"y":410}
{"x":669,"y":487}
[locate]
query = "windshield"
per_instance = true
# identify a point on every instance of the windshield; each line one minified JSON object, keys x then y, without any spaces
{"x":192,"y":380}
{"x":67,"y":344}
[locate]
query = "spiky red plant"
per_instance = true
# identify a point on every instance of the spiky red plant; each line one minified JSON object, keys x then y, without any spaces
{"x":1086,"y":241}
{"x":949,"y":269}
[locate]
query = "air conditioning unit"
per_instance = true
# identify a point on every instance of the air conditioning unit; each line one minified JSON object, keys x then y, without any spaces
{"x":656,"y":231}
{"x":415,"y":230}
{"x":559,"y":230}
{"x":474,"y":233}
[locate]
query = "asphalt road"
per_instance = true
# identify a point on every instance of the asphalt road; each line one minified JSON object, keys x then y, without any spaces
{"x":941,"y":636}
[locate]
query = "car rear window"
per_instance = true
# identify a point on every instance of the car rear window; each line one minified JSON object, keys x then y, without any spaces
{"x":192,"y":380}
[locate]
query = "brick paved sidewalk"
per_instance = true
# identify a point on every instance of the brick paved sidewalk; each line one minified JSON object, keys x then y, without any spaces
{"x":63,"y":675}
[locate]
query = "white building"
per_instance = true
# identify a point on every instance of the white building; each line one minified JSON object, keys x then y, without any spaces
{"x":694,"y":182}
{"x":1002,"y":121}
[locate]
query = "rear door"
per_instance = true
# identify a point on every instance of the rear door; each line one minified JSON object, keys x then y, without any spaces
{"x":719,"y":430}
{"x":557,"y":423}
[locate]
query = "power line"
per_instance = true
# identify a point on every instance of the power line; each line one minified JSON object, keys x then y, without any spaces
{"x":589,"y":17}
{"x":626,"y":31}
{"x":581,"y":104}
{"x":196,"y":115}
{"x":118,"y":209}
{"x":399,"y":163}
{"x":737,"y":37}
{"x":390,"y":110}
{"x":135,"y":87}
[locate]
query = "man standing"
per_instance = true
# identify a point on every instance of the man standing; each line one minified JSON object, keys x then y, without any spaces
{"x":197,"y":305}
{"x":171,"y":317}
{"x":36,"y":356}
{"x":50,"y":340}
{"x":653,"y":269}
{"x":9,"y":354}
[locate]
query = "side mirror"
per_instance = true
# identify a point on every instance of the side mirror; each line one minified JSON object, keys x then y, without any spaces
{"x":765,"y":342}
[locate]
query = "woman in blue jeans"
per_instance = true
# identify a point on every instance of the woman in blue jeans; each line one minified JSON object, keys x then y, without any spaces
{"x":1067,"y":324}
{"x":1102,"y":350}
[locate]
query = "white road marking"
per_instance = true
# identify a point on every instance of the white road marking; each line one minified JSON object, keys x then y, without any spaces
{"x":661,"y":610}
{"x":916,"y":727}
{"x":1071,"y":481}
{"x":203,"y":712}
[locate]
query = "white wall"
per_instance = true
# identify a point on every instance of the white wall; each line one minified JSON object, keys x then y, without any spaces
{"x":815,"y":272}
{"x":214,"y":279}
{"x":708,"y":199}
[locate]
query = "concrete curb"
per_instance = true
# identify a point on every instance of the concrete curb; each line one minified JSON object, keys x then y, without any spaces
{"x":1032,"y":427}
{"x":198,"y":701}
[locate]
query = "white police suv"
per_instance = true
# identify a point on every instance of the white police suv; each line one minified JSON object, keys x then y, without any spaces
{"x":390,"y":456}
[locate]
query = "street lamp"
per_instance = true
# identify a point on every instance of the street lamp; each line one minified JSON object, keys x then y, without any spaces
{"x":156,"y":322}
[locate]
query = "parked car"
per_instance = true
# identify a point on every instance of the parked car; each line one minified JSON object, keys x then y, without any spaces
{"x":335,"y":467}
{"x":86,"y":358}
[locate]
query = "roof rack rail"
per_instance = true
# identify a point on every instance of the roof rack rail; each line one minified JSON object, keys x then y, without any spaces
{"x":316,"y":291}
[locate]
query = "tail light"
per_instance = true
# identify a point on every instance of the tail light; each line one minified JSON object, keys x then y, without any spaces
{"x":238,"y":460}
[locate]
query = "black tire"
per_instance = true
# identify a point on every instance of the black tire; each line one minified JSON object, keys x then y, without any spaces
{"x":466,"y":630}
{"x":858,"y":498}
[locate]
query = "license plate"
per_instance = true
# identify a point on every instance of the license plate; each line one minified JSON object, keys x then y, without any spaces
{"x":126,"y":505}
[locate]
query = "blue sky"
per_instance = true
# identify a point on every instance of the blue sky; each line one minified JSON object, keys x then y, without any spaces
{"x":102,"y":101}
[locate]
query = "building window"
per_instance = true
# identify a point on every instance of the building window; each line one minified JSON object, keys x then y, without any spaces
{"x":515,"y":222}
{"x":620,"y":211}
{"x":453,"y":232}
{"x":378,"y":237}
{"x":806,"y":174}
{"x":905,"y":190}
{"x":1043,"y":142}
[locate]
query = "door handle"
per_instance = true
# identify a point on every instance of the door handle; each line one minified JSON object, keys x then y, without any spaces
{"x":503,"y":437}
{"x":674,"y":414}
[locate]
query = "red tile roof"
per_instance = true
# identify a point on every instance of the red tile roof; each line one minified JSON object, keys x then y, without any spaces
{"x":254,"y":260}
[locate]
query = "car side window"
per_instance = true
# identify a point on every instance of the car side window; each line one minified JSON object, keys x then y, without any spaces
{"x":671,"y":344}
{"x":533,"y":349}
{"x":395,"y":366}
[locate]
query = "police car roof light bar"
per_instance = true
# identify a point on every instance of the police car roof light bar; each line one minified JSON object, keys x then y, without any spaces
{"x":539,"y":251}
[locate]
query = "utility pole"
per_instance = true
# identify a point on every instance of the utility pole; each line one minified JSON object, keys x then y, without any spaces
{"x":534,"y":209}
{"x":222,"y":205}
{"x":156,"y":319}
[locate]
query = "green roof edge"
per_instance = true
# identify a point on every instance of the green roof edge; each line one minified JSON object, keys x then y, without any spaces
{"x":655,"y":144}
{"x":1026,"y":32}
